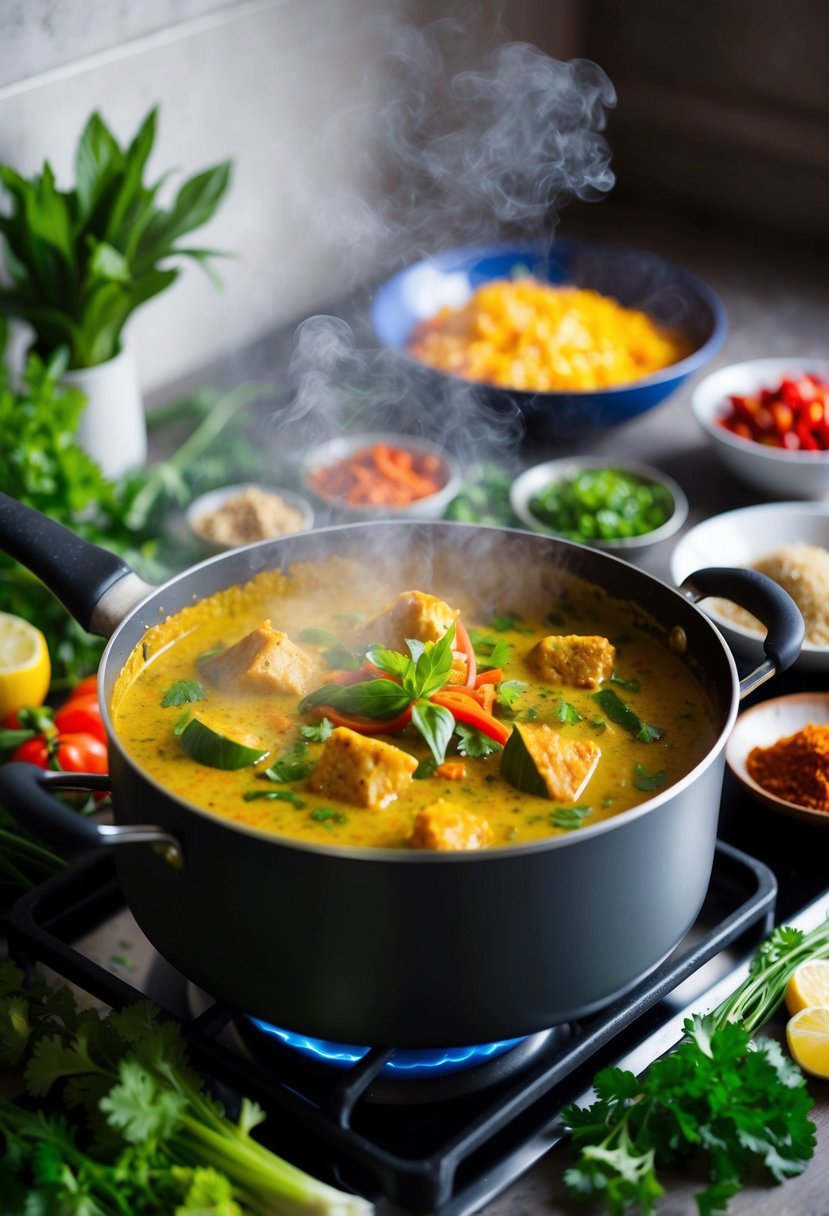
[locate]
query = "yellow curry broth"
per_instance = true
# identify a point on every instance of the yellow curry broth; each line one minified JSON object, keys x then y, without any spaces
{"x":337,"y":594}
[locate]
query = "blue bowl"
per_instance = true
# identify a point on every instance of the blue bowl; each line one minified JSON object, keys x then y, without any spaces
{"x":637,"y":279}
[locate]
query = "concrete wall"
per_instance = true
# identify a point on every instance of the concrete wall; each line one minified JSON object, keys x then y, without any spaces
{"x":284,"y":87}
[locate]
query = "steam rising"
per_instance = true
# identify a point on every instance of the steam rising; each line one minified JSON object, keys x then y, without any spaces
{"x":468,"y":144}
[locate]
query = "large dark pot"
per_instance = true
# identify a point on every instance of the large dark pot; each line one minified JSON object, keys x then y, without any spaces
{"x":396,"y":947}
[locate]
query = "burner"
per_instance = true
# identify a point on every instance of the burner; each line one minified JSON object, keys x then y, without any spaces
{"x":403,"y":1062}
{"x":407,"y":1076}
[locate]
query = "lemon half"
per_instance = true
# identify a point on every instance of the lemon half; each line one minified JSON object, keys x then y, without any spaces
{"x":808,"y":985}
{"x":25,"y":669}
{"x":807,"y":1034}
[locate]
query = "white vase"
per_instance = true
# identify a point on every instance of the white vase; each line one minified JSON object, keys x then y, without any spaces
{"x":112,"y":428}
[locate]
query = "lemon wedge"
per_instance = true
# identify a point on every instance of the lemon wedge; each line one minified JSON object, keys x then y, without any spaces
{"x":25,"y":669}
{"x":808,"y":985}
{"x":807,"y":1034}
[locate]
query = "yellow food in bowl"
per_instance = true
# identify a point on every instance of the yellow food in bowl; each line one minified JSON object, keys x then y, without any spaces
{"x":534,"y":336}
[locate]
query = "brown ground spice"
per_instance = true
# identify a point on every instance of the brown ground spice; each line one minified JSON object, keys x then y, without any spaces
{"x":795,"y":768}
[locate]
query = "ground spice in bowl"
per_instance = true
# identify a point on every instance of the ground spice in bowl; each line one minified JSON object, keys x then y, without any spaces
{"x":795,"y":768}
{"x":250,"y":515}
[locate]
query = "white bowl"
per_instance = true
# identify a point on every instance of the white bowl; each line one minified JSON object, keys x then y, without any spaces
{"x":214,"y":499}
{"x":432,"y":506}
{"x":739,"y":538}
{"x":777,"y":472}
{"x":529,"y":483}
{"x":763,"y":725}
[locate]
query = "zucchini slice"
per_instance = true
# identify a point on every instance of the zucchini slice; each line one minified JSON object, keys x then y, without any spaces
{"x":206,"y":746}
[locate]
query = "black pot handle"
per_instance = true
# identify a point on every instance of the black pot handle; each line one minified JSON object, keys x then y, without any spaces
{"x":25,"y":792}
{"x":766,"y":600}
{"x":73,"y":569}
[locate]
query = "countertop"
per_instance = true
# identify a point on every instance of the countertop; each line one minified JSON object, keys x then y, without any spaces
{"x":777,"y":299}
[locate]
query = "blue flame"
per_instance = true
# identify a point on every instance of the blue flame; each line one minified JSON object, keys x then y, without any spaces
{"x":429,"y":1061}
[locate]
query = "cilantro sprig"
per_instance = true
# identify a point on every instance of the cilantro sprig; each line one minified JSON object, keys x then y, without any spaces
{"x":161,"y":1142}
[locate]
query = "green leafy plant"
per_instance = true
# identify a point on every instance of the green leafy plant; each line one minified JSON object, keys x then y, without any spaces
{"x":719,"y":1097}
{"x":79,"y":262}
{"x":117,"y":1123}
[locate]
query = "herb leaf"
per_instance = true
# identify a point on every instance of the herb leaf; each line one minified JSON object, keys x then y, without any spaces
{"x":380,"y":698}
{"x":318,"y":733}
{"x":274,"y":796}
{"x":435,"y":724}
{"x":474,"y":743}
{"x":621,"y":713}
{"x":569,"y":817}
{"x":508,"y":692}
{"x":566,"y":712}
{"x":643,"y":780}
{"x":181,"y":692}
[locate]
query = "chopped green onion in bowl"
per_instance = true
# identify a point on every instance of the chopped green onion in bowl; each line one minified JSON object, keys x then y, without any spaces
{"x":610,"y":506}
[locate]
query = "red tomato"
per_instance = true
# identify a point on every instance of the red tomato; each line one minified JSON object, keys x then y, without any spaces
{"x":84,"y":688}
{"x":70,"y":753}
{"x":81,"y":715}
{"x":81,"y":753}
{"x":33,"y":751}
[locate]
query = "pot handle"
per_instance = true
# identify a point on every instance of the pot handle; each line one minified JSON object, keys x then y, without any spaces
{"x":79,"y":573}
{"x":25,"y":792}
{"x":766,"y":600}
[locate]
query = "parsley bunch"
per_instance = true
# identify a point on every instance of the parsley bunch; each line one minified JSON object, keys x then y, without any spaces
{"x":154,"y":1140}
{"x":719,"y":1094}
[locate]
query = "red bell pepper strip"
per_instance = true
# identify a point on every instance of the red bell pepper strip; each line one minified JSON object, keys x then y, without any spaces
{"x":465,"y":708}
{"x":466,"y":648}
{"x":494,"y":676}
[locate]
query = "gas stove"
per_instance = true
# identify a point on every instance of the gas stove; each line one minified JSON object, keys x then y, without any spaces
{"x":443,"y":1132}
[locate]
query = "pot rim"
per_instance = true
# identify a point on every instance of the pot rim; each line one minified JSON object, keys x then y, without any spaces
{"x":407,"y":856}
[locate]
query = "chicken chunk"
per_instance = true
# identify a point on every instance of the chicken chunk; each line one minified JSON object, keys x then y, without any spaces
{"x":443,"y":826}
{"x":265,"y":661}
{"x":361,"y":770}
{"x":414,"y":614}
{"x":582,"y":662}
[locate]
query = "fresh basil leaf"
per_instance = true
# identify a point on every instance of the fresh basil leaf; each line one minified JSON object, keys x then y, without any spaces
{"x":181,"y":692}
{"x":416,"y":648}
{"x":621,"y":713}
{"x":435,"y":724}
{"x":379,"y":698}
{"x":390,"y":661}
{"x":433,"y":667}
{"x":425,"y":768}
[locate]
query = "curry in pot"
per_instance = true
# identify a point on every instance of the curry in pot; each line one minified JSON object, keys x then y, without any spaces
{"x":334,"y":707}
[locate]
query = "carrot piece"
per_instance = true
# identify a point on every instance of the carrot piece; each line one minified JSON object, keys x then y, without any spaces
{"x":451,"y":770}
